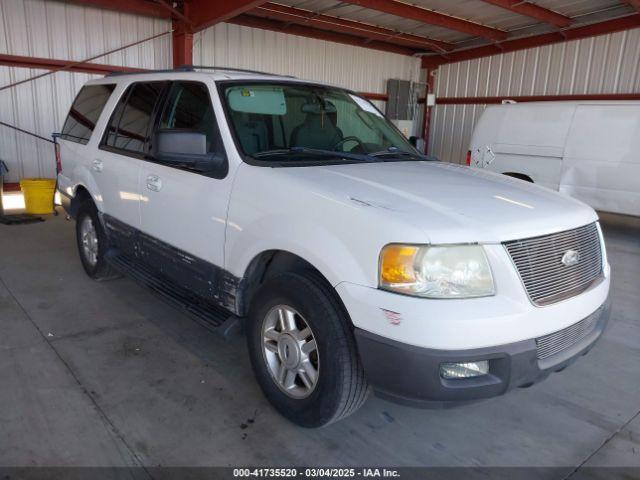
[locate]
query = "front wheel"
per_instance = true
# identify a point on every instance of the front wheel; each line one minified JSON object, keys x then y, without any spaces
{"x":303,"y":352}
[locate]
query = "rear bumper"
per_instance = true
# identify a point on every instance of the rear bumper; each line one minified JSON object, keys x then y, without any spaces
{"x":411,"y":375}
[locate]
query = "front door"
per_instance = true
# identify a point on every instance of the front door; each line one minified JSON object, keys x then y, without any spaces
{"x":184,"y":207}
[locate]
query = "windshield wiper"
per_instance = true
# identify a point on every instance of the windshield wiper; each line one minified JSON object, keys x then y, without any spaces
{"x":396,"y":152}
{"x":315,"y":152}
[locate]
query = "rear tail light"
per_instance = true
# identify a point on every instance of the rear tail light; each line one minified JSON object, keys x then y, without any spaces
{"x":56,"y":147}
{"x":468,"y":158}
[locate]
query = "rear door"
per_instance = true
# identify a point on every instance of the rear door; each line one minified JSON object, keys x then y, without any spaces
{"x":116,"y":165}
{"x":602,"y":159}
{"x":184,"y":209}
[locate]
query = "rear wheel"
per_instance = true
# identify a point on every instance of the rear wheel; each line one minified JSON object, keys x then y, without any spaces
{"x":303,"y":352}
{"x":92,"y":243}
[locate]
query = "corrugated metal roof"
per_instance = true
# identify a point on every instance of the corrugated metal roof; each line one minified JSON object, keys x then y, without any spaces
{"x":476,"y":11}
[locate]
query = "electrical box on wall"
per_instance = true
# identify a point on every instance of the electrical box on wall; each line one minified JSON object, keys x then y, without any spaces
{"x":405,"y":126}
{"x":399,"y":99}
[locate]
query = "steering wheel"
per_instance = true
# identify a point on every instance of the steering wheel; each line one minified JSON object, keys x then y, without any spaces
{"x":350,"y":138}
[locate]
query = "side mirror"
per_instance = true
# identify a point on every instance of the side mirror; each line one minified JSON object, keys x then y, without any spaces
{"x":185,"y":148}
{"x":413,"y":140}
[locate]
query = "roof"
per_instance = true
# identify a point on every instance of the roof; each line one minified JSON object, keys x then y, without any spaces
{"x":440,"y":30}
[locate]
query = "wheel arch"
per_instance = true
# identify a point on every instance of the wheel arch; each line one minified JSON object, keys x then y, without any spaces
{"x":519,"y":176}
{"x":81,"y":194}
{"x":270,"y":263}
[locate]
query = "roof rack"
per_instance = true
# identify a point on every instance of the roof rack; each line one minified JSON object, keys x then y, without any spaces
{"x":232,"y":69}
{"x":193,"y":68}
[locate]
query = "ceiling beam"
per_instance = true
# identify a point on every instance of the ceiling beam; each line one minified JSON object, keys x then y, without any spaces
{"x":306,"y":31}
{"x":575,"y":33}
{"x":66,"y":65}
{"x":532,"y":10}
{"x":404,"y":10}
{"x":175,"y":14}
{"x":205,"y":13}
{"x":536,"y":98}
{"x":341,"y":25}
{"x":634,"y":3}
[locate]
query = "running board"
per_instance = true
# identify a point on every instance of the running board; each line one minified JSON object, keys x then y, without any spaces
{"x":211,"y":317}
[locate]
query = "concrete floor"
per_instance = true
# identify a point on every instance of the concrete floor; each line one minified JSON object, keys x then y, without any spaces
{"x":105,"y":374}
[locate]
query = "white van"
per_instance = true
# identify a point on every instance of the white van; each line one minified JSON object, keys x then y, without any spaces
{"x":589,"y":150}
{"x":298,"y":212}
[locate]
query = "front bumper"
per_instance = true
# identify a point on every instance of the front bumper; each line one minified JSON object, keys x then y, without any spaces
{"x":411,"y":375}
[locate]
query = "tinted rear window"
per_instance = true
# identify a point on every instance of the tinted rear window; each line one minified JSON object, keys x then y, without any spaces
{"x":129,"y":126}
{"x":85,"y":111}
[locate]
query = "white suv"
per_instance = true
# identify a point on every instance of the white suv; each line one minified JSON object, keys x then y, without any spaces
{"x":298,"y":212}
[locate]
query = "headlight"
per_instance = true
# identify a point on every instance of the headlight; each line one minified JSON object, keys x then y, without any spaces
{"x":456,"y":271}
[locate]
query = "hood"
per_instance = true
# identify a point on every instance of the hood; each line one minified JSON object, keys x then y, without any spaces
{"x":450,"y":203}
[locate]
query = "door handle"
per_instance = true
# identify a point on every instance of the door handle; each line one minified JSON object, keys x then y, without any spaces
{"x":154,"y":183}
{"x":97,"y":165}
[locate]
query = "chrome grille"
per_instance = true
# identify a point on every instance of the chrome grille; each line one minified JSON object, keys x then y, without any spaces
{"x":556,"y":342}
{"x":539,"y":261}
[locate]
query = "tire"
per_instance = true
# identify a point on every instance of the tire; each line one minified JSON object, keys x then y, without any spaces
{"x":92,"y":246}
{"x":340,"y":387}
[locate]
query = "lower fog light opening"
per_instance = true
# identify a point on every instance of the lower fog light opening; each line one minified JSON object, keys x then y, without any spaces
{"x":451,"y":371}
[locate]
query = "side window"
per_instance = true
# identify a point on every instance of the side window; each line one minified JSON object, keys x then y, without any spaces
{"x":85,"y":111}
{"x":188,"y":108}
{"x":129,"y":125}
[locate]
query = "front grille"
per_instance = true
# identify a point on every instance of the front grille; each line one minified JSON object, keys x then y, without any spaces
{"x":539,"y":261}
{"x":553,"y":343}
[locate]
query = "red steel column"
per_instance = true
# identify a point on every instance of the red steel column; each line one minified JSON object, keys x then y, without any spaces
{"x":182,"y":40}
{"x":426,"y":114}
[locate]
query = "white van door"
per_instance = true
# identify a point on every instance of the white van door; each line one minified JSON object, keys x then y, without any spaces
{"x":526,"y":139}
{"x":182,"y":207}
{"x":602,"y":157}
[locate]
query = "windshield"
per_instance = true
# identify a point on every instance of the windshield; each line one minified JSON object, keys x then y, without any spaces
{"x":289,"y":121}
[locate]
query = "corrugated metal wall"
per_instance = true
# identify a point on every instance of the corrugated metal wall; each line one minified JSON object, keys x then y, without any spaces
{"x":57,"y":30}
{"x":360,"y":69}
{"x":603,"y":64}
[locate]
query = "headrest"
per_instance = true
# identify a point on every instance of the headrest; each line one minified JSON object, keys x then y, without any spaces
{"x":317,"y":108}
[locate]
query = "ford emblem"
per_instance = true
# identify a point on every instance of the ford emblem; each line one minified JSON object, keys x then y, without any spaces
{"x":570,"y":258}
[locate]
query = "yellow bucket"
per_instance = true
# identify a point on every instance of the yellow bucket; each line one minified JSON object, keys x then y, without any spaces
{"x":38,"y":194}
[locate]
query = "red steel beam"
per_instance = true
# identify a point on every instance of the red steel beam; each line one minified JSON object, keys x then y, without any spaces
{"x":534,"y":11}
{"x":205,"y":13}
{"x":305,"y":31}
{"x":400,"y":9}
{"x":634,"y":3}
{"x":175,"y":14}
{"x":374,"y":96}
{"x":182,"y":45}
{"x":600,"y":28}
{"x":51,"y":64}
{"x":536,"y":98}
{"x":326,"y":22}
{"x":426,"y":113}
